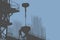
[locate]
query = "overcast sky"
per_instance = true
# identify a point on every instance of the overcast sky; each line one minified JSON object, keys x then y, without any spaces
{"x":48,"y":10}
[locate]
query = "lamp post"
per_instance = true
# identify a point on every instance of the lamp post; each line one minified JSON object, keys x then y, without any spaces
{"x":25,"y":5}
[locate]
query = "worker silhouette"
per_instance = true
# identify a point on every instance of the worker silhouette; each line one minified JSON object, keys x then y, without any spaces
{"x":23,"y":32}
{"x":25,"y":35}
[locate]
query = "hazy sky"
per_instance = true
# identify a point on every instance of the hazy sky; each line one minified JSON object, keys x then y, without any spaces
{"x":48,"y":10}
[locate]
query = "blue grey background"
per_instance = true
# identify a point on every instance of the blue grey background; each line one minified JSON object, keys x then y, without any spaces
{"x":48,"y":10}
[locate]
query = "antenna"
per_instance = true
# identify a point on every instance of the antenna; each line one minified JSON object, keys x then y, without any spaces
{"x":25,"y":5}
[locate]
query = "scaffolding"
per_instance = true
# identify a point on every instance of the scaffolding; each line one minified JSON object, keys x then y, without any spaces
{"x":5,"y":12}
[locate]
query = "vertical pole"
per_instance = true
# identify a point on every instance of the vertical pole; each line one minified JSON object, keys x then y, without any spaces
{"x":25,"y":16}
{"x":25,"y":5}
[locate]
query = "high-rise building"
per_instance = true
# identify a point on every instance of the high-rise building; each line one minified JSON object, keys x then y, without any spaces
{"x":37,"y":28}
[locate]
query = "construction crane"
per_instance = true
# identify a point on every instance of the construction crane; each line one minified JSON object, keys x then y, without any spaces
{"x":5,"y":12}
